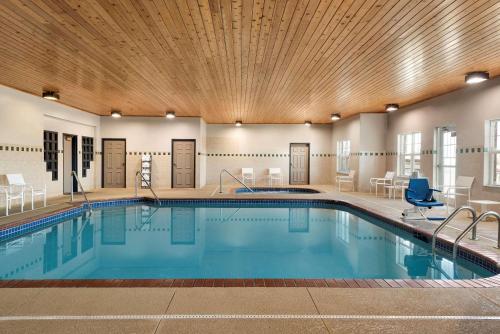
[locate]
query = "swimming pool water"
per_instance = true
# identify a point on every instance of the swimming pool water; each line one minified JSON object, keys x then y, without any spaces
{"x":252,"y":241}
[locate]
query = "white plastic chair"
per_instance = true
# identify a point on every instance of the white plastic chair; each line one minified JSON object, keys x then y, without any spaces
{"x":451,"y":193}
{"x":12,"y":193}
{"x":387,"y":180}
{"x":247,"y":174}
{"x":275,"y":175}
{"x":17,"y":180}
{"x":346,"y":179}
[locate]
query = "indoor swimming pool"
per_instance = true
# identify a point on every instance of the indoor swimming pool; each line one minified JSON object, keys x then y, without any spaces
{"x":226,"y":239}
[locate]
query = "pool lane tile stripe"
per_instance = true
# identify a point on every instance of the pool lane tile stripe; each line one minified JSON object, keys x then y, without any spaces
{"x":248,"y":317}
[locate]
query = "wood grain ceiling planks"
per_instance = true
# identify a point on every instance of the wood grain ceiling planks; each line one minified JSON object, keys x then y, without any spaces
{"x":261,"y":61}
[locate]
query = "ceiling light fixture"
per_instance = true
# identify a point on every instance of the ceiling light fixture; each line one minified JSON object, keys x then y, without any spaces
{"x":50,"y":95}
{"x":116,"y":114}
{"x":476,"y":77}
{"x":170,"y":114}
{"x":238,"y":123}
{"x":335,"y":117}
{"x":307,"y":123}
{"x":391,"y":107}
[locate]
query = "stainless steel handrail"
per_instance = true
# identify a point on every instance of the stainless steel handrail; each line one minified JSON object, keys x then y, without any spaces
{"x":234,"y":177}
{"x":450,"y":218}
{"x":73,"y":173}
{"x":148,"y":185}
{"x":473,"y":225}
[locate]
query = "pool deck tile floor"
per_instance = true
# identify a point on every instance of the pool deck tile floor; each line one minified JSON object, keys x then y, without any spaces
{"x":257,"y":301}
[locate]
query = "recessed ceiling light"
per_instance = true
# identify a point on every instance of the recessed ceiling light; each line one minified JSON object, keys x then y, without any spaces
{"x":50,"y":95}
{"x":170,"y":114}
{"x":238,"y":123}
{"x":391,"y":107}
{"x":116,"y":114}
{"x":476,"y":77}
{"x":335,"y":117}
{"x":307,"y":123}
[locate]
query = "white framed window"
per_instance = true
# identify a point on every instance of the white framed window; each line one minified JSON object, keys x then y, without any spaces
{"x":492,"y":153}
{"x":343,"y":152}
{"x":409,"y":153}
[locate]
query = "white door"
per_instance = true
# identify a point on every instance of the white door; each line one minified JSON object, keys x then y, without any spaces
{"x":446,"y":158}
{"x":299,"y":163}
{"x":183,"y":163}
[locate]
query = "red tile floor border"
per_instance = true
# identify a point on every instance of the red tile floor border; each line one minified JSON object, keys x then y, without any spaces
{"x":268,"y":283}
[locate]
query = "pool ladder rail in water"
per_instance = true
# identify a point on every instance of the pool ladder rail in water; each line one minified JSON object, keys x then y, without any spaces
{"x":472,"y":226}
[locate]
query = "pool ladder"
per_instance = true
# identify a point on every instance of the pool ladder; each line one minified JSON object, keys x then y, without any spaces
{"x":73,"y":173}
{"x":234,"y":177}
{"x":472,"y":226}
{"x":148,"y":185}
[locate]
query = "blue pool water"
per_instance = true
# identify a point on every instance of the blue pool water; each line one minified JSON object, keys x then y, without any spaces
{"x":250,"y":241}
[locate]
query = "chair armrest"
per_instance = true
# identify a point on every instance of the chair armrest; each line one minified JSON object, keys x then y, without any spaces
{"x":437,"y":190}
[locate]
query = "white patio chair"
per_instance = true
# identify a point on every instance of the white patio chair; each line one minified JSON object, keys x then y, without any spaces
{"x":17,"y":180}
{"x":247,"y":175}
{"x":346,"y":179}
{"x":12,"y":193}
{"x":399,"y":184}
{"x":387,"y":180}
{"x":462,"y":188}
{"x":275,"y":175}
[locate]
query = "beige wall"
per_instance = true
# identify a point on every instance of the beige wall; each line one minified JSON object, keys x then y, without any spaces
{"x":467,"y":109}
{"x":23,"y":118}
{"x":367,"y":135}
{"x":265,"y":146}
{"x":154,"y":135}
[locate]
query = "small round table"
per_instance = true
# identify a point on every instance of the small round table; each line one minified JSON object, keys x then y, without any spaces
{"x":484,"y":203}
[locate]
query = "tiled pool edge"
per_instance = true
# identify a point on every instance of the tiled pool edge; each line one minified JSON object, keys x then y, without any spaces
{"x":466,"y":250}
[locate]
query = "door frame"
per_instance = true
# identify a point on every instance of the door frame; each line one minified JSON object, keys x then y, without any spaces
{"x":102,"y":160}
{"x":437,"y":158}
{"x":172,"y":162}
{"x":74,"y":159}
{"x":308,"y":162}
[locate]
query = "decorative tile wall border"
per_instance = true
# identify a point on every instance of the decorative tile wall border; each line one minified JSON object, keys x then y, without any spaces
{"x":488,"y":260}
{"x":146,"y":152}
{"x":265,"y":155}
{"x":18,"y":148}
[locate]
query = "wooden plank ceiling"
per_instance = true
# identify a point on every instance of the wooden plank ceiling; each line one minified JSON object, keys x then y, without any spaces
{"x":260,"y":61}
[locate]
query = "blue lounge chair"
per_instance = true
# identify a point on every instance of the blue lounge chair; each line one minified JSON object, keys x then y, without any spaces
{"x":421,"y":196}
